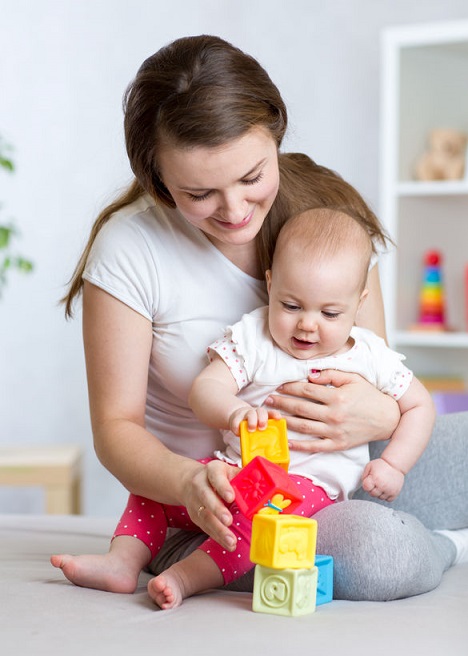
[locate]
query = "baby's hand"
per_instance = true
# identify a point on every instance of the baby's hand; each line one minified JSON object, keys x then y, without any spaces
{"x":257,"y":418}
{"x":382,"y":480}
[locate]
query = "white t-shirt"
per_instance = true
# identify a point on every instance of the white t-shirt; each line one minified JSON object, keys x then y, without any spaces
{"x":259,"y":367}
{"x":150,"y":258}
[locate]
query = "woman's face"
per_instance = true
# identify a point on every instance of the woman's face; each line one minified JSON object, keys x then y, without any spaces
{"x":227,"y":190}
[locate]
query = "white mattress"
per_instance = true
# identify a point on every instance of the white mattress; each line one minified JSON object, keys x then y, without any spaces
{"x":42,"y":613}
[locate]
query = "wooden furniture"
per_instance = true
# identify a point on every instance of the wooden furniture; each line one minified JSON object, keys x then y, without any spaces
{"x":56,"y":468}
{"x":424,"y":86}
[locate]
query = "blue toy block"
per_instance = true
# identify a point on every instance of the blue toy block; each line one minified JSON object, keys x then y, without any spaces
{"x":289,"y":592}
{"x":324,"y":564}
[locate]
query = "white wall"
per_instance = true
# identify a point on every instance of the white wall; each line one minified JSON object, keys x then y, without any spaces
{"x":64,"y":65}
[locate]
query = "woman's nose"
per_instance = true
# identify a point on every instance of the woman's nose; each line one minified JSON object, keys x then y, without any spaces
{"x":234,"y":208}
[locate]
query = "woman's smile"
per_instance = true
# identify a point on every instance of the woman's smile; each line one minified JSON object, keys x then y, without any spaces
{"x":228,"y":225}
{"x":225,"y":191}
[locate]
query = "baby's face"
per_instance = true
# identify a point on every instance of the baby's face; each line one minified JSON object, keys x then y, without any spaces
{"x":313,"y":306}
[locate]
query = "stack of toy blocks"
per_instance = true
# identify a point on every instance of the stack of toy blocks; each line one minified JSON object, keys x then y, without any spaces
{"x":289,"y":578}
{"x":431,"y":297}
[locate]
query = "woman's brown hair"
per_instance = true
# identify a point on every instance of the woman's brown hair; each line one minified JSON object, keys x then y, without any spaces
{"x":305,"y":185}
{"x":196,"y":91}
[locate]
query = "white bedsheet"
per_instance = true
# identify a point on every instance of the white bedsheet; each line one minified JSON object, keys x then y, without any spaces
{"x":42,"y":613}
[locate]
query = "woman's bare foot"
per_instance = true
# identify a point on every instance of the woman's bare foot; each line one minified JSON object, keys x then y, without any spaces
{"x":115,"y":571}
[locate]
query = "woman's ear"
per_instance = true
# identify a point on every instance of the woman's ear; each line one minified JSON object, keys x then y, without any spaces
{"x":268,"y":280}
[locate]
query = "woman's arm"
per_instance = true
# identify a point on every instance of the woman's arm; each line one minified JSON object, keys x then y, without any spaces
{"x":347,"y":410}
{"x":118,"y":344}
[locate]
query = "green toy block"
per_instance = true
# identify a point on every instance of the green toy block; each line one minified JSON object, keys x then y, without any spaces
{"x":284,"y":592}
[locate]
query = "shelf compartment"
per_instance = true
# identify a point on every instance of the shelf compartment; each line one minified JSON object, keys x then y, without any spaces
{"x":434,"y":339}
{"x":436,"y":188}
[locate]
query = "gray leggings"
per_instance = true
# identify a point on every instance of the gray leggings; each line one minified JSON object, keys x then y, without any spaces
{"x":385,"y":551}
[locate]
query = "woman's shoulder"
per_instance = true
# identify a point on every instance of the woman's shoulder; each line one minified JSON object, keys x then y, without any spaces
{"x":125,"y":257}
{"x":147,"y":222}
{"x":144,"y":214}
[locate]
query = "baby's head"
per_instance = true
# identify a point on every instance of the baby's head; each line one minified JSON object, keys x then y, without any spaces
{"x":317,"y":282}
{"x":321,"y":235}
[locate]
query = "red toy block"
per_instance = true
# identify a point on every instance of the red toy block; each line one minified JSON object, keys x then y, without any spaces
{"x":257,"y":483}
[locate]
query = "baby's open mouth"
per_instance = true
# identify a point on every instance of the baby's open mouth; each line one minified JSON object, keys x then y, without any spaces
{"x":302,"y":343}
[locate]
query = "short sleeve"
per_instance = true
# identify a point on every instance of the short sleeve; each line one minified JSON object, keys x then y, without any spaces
{"x":122,"y":263}
{"x":227,"y":351}
{"x":393,"y":377}
{"x":239,"y":347}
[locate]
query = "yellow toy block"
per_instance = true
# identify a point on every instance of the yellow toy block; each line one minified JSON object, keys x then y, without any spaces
{"x":283,"y":541}
{"x":270,"y":443}
{"x":284,"y":592}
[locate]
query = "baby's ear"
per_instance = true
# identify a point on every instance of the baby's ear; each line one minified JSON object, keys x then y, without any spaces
{"x":362,"y":298}
{"x":268,"y":279}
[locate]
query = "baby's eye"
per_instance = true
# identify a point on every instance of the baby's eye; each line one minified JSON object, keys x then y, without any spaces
{"x":330,"y":315}
{"x":291,"y":307}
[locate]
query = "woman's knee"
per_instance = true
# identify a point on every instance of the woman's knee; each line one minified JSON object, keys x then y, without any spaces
{"x":379,"y":554}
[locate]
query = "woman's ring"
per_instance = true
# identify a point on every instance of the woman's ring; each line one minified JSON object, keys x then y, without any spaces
{"x":200,"y":510}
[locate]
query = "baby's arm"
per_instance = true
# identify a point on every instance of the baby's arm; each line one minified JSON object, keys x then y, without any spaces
{"x":385,"y":476}
{"x":213,"y":398}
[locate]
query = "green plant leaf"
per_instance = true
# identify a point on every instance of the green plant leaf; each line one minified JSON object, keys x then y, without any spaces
{"x":5,"y":234}
{"x":7,"y":164}
{"x":24,"y":265}
{"x":9,"y":261}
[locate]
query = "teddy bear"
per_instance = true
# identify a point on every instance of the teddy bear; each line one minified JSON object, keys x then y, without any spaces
{"x":445,"y":157}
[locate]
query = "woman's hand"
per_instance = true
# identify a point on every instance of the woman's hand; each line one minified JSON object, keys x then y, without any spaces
{"x":206,"y":491}
{"x":342,"y":409}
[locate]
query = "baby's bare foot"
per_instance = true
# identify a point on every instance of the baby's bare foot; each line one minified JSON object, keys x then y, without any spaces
{"x":196,"y":573}
{"x":166,"y":590}
{"x":101,"y":572}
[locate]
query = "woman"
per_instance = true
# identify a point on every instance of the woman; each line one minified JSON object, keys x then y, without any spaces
{"x":180,"y":255}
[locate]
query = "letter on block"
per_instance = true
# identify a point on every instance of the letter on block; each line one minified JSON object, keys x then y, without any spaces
{"x":258,"y":482}
{"x":283,"y":541}
{"x":284,"y":592}
{"x":324,"y":566}
{"x":270,"y":443}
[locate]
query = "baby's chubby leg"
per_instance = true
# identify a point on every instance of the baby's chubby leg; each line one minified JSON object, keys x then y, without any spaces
{"x":116,"y":571}
{"x":196,"y":573}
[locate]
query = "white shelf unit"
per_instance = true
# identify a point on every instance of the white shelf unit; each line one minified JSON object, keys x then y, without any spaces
{"x":424,"y":86}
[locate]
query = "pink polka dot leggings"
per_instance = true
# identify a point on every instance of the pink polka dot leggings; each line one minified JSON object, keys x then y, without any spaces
{"x":148,"y":521}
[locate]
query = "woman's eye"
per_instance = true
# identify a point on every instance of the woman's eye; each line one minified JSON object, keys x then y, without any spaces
{"x":207,"y":194}
{"x":202,"y":197}
{"x":253,"y":180}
